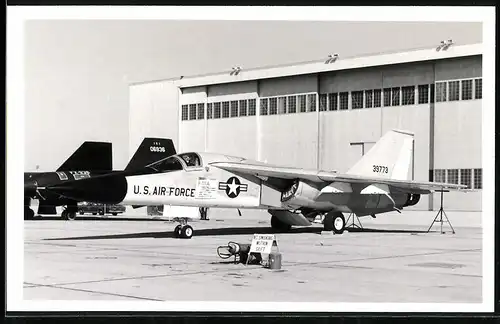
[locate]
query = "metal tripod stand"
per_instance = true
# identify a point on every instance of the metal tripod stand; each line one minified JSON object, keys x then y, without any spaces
{"x":353,"y":224}
{"x":440,"y":214}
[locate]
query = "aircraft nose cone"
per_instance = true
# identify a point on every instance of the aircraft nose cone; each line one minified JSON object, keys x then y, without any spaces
{"x":107,"y":189}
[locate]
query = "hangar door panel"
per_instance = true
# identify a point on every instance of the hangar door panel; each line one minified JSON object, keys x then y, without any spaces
{"x":288,"y":85}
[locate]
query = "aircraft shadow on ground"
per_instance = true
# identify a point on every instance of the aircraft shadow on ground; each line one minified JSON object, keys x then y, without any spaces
{"x":222,"y":232}
{"x":97,"y":218}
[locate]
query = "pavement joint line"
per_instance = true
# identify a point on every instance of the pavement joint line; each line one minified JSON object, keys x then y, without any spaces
{"x":292,"y":264}
{"x":91,"y":291}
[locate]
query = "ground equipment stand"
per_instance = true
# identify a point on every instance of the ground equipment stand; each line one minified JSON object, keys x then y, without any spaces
{"x":353,"y":224}
{"x":440,"y":214}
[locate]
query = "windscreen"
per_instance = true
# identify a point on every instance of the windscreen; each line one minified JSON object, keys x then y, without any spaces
{"x":165,"y":165}
{"x":191,"y":159}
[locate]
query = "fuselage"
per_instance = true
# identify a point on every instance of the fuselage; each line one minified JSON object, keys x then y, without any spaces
{"x":186,"y":183}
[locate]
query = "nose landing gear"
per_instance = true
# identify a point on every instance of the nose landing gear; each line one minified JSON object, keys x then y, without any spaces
{"x":183,"y":230}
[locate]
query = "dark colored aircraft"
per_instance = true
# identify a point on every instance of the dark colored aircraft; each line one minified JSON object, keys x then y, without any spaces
{"x":89,"y":160}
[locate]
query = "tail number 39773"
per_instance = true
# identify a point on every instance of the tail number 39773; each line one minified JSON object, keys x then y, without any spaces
{"x":380,"y":169}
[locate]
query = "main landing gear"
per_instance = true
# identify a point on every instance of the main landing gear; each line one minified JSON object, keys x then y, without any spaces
{"x":69,"y":213}
{"x":334,"y":221}
{"x":183,"y":230}
{"x":29,"y":214}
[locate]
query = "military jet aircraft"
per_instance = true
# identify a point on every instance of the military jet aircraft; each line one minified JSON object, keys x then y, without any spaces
{"x":89,"y":160}
{"x":377,"y":183}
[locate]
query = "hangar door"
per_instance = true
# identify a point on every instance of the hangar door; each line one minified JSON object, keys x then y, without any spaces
{"x":357,"y":150}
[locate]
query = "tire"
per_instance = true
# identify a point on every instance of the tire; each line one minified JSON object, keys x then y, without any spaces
{"x":29,"y":214}
{"x":177,"y":231}
{"x":71,"y":216}
{"x":64,"y":214}
{"x":278,"y":225}
{"x":187,"y":232}
{"x":114,"y":214}
{"x":94,"y":213}
{"x":338,"y":223}
{"x":81,"y":213}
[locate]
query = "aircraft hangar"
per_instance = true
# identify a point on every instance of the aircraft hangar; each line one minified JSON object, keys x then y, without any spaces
{"x":326,"y":114}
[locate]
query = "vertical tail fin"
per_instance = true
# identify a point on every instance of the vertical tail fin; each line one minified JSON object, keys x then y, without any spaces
{"x":90,"y":156}
{"x":390,"y":157}
{"x":151,"y":150}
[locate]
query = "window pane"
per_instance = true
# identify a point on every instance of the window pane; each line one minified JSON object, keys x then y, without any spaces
{"x":368,"y":98}
{"x":465,"y":177}
{"x":251,"y":107}
{"x":263,"y":106}
{"x":184,"y":115}
{"x":292,"y":104}
{"x":192,"y":111}
{"x":478,"y":178}
{"x":439,"y":175}
{"x":440,"y":91}
{"x":311,"y":100}
{"x":466,"y":89}
{"x":344,"y":100}
{"x":282,"y":105}
{"x":408,"y":95}
{"x":454,"y":90}
{"x":478,"y":88}
{"x":302,"y":103}
{"x":209,"y":111}
{"x":377,"y":98}
{"x":243,"y":107}
{"x":201,"y":111}
{"x":332,"y":101}
{"x":225,"y":109}
{"x":395,"y":96}
{"x":357,"y":99}
{"x":387,"y":97}
{"x":453,"y":176}
{"x":273,"y":106}
{"x":217,"y":110}
{"x":234,"y":108}
{"x":322,"y":102}
{"x":423,"y":94}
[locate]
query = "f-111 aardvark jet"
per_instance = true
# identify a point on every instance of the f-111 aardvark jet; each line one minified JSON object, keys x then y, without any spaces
{"x":377,"y":183}
{"x":89,"y":160}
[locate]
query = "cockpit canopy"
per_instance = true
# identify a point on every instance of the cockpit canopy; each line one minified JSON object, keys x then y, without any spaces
{"x":176,"y":162}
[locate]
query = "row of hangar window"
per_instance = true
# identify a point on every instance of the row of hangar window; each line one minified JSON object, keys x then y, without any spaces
{"x":472,"y":178}
{"x":467,"y":89}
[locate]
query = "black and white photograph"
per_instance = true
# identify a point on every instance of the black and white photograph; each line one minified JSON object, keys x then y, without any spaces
{"x":270,"y":159}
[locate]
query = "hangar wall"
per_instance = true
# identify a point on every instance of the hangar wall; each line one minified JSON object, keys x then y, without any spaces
{"x":154,"y":109}
{"x":326,"y":120}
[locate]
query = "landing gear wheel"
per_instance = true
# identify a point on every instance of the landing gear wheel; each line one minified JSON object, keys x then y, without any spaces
{"x":177,"y":231}
{"x":278,"y":225}
{"x":29,"y":214}
{"x":68,"y":215}
{"x":338,"y":223}
{"x":187,"y":232}
{"x":114,"y":214}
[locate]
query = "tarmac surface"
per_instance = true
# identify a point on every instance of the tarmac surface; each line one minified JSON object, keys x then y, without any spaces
{"x":393,"y":259}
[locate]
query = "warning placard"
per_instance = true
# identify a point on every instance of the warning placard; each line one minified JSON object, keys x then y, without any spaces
{"x":206,"y":188}
{"x":262,"y":243}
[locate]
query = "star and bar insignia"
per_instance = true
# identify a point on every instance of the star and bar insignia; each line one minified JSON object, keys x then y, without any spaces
{"x":233,"y":187}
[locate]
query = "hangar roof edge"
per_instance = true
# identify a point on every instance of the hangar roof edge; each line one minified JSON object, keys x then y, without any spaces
{"x":322,"y":66}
